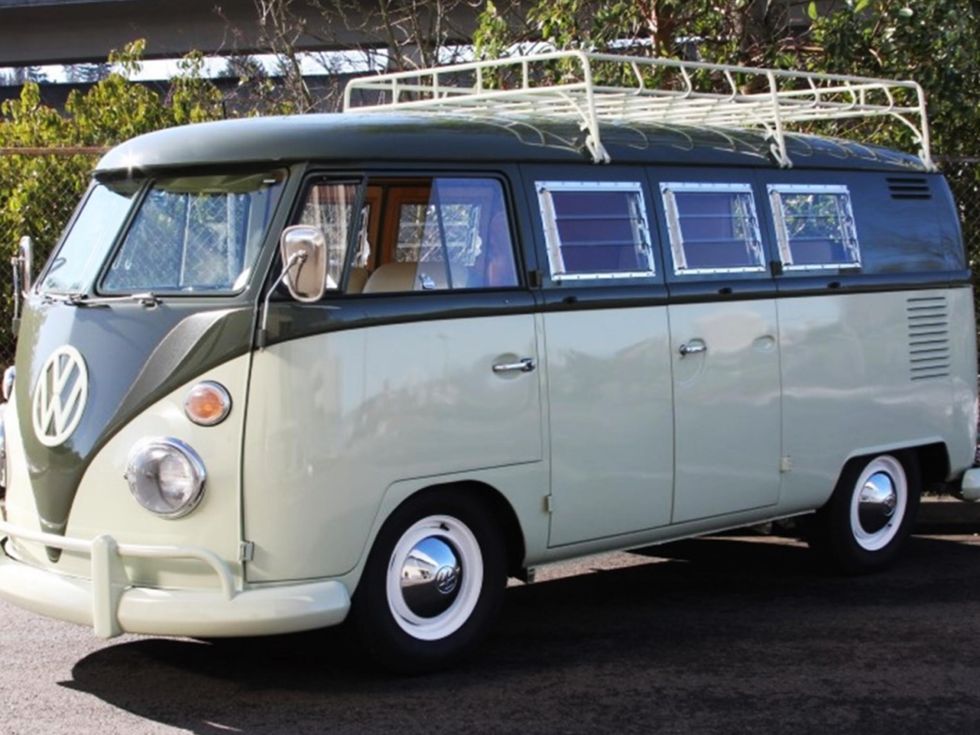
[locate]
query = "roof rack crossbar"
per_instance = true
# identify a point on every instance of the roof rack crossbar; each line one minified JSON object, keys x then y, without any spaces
{"x":691,"y":93}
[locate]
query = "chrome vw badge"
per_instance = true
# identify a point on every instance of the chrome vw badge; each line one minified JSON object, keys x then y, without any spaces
{"x":59,"y":396}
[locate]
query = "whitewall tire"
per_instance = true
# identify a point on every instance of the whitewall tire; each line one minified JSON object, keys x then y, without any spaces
{"x":433,"y":582}
{"x":871,"y":513}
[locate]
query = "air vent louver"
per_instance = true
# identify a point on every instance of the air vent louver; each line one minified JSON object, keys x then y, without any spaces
{"x":928,"y":319}
{"x":909,"y":187}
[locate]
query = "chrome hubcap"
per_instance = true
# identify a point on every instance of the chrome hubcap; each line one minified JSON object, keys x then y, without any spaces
{"x":434,"y":578}
{"x":876,"y":504}
{"x":879,"y":502}
{"x":430,"y":577}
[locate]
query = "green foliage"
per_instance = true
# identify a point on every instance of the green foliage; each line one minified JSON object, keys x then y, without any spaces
{"x":934,"y":42}
{"x":39,"y":192}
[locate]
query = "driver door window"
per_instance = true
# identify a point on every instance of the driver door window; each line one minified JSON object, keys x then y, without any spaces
{"x":433,"y":234}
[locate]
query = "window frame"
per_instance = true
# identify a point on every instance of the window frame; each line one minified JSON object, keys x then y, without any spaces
{"x":783,"y":240}
{"x":552,"y":238}
{"x":354,"y":225}
{"x":675,"y":235}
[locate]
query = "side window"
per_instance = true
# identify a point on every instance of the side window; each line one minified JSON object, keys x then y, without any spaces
{"x":595,"y":229}
{"x":713,"y":228}
{"x":328,"y":206}
{"x":443,"y":233}
{"x":815,"y":227}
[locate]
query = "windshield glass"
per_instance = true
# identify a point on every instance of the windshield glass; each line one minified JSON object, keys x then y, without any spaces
{"x":84,"y":248}
{"x":195,"y":234}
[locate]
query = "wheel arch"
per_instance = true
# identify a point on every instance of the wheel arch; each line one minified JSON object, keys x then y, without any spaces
{"x":492,"y":499}
{"x":934,"y":465}
{"x":931,"y":456}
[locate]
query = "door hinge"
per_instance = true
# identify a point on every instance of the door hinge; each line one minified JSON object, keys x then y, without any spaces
{"x":549,"y":504}
{"x":785,"y":463}
{"x":246,"y":551}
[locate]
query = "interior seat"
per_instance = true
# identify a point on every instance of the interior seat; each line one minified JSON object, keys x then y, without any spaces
{"x":392,"y":277}
{"x":357,"y":280}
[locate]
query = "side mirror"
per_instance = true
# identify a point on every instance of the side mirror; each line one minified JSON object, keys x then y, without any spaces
{"x":304,"y":256}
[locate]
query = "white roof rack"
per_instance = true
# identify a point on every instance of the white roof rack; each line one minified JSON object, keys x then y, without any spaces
{"x":685,"y":93}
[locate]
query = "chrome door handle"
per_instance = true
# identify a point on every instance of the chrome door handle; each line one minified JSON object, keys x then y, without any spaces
{"x":523,"y":366}
{"x":692,"y":348}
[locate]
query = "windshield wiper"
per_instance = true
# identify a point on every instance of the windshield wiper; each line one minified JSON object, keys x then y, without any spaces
{"x":79,"y":299}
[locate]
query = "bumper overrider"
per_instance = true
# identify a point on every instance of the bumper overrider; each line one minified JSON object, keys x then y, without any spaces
{"x":970,"y":485}
{"x":111,"y":604}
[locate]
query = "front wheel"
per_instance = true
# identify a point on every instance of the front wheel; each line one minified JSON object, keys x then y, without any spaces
{"x":870,"y":515}
{"x":433,"y":583}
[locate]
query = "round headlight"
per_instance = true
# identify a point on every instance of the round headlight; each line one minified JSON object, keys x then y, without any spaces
{"x":166,"y":476}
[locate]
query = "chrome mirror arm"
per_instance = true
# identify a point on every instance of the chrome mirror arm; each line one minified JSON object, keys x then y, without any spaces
{"x":22,"y":264}
{"x":26,"y":256}
{"x":294,"y":259}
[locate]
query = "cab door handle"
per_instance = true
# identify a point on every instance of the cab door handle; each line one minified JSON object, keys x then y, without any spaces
{"x":694,"y":347}
{"x":521,"y":366}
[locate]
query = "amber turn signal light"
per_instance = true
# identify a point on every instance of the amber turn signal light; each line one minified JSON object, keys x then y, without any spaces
{"x":208,"y":403}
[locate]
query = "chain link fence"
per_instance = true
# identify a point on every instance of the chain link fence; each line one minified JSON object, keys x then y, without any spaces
{"x":964,"y":179}
{"x":39,"y":188}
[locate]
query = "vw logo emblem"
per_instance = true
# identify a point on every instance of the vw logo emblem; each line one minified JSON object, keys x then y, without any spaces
{"x":59,"y":396}
{"x":446,"y":579}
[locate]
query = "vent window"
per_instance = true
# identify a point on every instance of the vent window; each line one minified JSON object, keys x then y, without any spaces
{"x":815,"y":227}
{"x":595,"y":229}
{"x":713,"y":228}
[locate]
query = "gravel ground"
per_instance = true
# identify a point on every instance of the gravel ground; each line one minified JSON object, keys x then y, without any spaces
{"x":726,"y":635}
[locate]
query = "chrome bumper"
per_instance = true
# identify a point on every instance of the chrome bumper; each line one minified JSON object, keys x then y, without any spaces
{"x":112,"y":605}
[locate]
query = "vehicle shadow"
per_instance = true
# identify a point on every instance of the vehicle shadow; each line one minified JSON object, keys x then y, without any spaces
{"x":712,"y":635}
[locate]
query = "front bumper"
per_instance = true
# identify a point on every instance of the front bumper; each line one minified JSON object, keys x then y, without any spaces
{"x":112,"y":605}
{"x":970,"y":484}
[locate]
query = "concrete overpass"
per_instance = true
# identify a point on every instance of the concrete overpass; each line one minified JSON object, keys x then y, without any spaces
{"x":36,"y":32}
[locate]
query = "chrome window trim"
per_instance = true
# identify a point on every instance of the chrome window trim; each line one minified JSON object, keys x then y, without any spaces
{"x":847,"y":223}
{"x":678,"y":254}
{"x":549,"y":220}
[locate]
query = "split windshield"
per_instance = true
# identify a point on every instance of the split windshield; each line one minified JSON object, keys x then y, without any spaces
{"x":190,"y":235}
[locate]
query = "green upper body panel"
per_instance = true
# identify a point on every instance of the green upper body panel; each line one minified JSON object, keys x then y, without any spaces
{"x":442,"y":138}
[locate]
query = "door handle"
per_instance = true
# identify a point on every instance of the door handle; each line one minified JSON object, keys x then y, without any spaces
{"x":521,"y":366}
{"x":694,"y":347}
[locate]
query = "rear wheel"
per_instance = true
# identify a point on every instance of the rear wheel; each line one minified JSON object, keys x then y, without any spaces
{"x":870,"y":515}
{"x":433,"y":583}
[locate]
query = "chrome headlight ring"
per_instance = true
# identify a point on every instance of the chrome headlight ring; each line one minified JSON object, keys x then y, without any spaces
{"x":166,"y":476}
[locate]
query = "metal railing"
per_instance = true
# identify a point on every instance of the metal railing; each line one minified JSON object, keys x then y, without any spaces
{"x":571,"y":85}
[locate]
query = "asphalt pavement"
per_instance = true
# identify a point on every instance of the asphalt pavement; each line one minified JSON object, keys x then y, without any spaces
{"x":733,"y":634}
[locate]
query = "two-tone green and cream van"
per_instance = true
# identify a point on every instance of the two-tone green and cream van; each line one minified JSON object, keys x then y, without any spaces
{"x":282,"y":373}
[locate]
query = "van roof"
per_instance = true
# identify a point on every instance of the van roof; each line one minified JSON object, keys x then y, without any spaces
{"x":421,"y":137}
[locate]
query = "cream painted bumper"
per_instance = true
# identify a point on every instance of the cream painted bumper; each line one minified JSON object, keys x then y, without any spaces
{"x":111,"y":605}
{"x":970,"y":485}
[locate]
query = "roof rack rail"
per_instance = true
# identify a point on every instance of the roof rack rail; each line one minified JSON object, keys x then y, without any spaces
{"x":686,"y":93}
